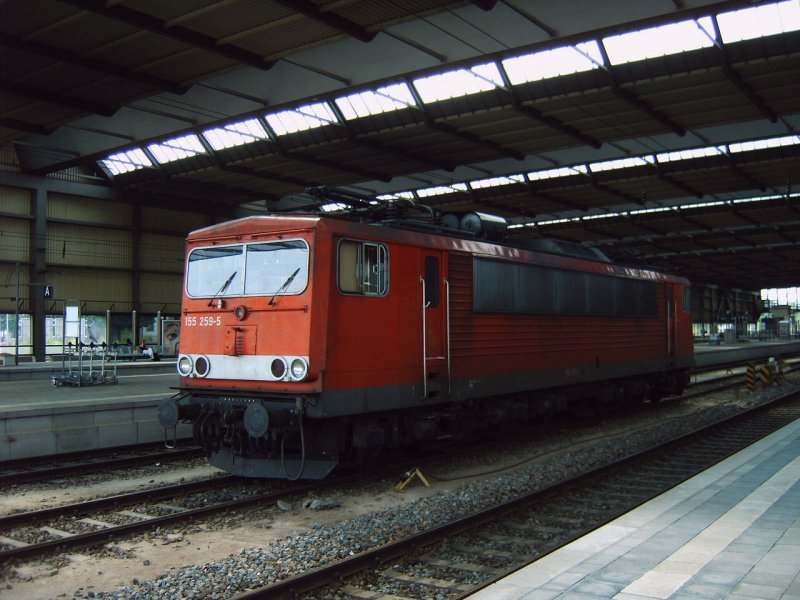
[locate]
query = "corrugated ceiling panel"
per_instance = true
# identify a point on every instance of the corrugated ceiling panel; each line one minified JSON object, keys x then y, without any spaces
{"x":161,"y":252}
{"x":162,"y":219}
{"x":99,"y":290}
{"x":14,"y":200}
{"x":160,"y":292}
{"x":87,"y":210}
{"x":86,"y":246}
{"x":15,"y":241}
{"x":8,"y":273}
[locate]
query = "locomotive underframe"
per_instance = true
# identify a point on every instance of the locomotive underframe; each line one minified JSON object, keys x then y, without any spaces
{"x":306,"y":436}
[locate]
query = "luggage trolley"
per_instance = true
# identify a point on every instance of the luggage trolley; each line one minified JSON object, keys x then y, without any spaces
{"x":78,"y":366}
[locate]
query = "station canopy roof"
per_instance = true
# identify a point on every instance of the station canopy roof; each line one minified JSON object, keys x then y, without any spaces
{"x":665,"y":132}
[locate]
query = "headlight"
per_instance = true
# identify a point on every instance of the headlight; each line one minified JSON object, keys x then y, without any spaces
{"x":185,"y":365}
{"x":278,"y":368}
{"x":299,"y":369}
{"x":201,"y":366}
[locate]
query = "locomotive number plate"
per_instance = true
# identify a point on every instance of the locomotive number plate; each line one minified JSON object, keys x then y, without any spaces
{"x":191,"y":321}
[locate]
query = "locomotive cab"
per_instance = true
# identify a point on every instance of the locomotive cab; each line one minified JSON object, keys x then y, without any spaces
{"x":247,"y":368}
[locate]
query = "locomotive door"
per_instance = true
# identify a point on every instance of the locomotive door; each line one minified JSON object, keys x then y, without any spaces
{"x":672,"y":325}
{"x":435,"y":313}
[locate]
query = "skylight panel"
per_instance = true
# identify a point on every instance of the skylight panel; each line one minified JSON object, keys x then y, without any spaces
{"x":333,"y":207}
{"x":125,"y":162}
{"x":789,"y":140}
{"x":649,"y":211}
{"x":496,"y":181}
{"x":550,"y":222}
{"x":303,"y":118}
{"x":559,"y":172}
{"x":235,"y":134}
{"x":664,"y":40}
{"x":765,"y":198}
{"x":385,"y":99}
{"x":458,"y":83}
{"x":553,"y":63}
{"x":759,"y":21}
{"x":621,"y":163}
{"x":689,"y":154}
{"x":601,"y":216}
{"x":176,"y":148}
{"x":442,"y":189}
{"x":397,"y":196}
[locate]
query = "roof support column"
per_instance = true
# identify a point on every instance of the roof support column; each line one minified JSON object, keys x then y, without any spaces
{"x":136,"y":269}
{"x":38,"y":270}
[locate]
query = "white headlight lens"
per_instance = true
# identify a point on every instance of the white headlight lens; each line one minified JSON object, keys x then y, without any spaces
{"x":299,"y":369}
{"x":185,"y":365}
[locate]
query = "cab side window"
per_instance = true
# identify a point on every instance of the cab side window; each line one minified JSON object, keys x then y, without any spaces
{"x":363,"y":268}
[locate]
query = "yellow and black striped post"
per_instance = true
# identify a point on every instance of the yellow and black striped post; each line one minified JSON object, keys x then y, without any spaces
{"x":751,"y":376}
{"x":765,"y":375}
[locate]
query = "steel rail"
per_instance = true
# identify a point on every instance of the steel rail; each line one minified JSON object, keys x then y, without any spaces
{"x":102,"y":536}
{"x":93,"y":466}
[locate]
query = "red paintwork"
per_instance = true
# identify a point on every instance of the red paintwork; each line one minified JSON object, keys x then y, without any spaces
{"x":357,"y":341}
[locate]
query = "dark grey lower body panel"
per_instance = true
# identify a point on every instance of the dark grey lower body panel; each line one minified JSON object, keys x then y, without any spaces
{"x":290,"y":468}
{"x":400,"y":397}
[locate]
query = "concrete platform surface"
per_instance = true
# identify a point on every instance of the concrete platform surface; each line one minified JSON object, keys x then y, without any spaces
{"x":707,"y":355}
{"x":37,"y":419}
{"x":731,"y":532}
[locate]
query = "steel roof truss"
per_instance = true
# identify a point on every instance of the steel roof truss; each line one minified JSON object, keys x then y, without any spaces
{"x":57,"y":99}
{"x":457,"y":133}
{"x":353,"y":138}
{"x":537,"y":115}
{"x":65,"y":56}
{"x":328,"y":18}
{"x":179,"y":33}
{"x":632,"y":99}
{"x":735,"y":78}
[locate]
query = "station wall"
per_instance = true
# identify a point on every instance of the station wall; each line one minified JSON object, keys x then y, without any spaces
{"x":110,"y":256}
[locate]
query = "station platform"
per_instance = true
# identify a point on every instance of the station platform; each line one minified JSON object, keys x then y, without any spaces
{"x":709,"y":355}
{"x":38,"y":419}
{"x":731,"y":532}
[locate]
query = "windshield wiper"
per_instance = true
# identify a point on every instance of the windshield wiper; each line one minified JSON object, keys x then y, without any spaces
{"x":286,"y":283}
{"x":223,"y":288}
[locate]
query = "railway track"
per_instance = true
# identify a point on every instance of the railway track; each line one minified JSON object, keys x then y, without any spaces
{"x":102,"y":520}
{"x":720,"y":378}
{"x":37,"y":533}
{"x":458,"y":558}
{"x":33,"y":534}
{"x":28,"y":470}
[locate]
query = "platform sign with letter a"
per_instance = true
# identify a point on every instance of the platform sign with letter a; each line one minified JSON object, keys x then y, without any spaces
{"x":47,"y":291}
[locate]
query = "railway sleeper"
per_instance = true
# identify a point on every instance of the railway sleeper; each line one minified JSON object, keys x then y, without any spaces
{"x":13,"y":543}
{"x":362,"y":594}
{"x":469,"y":550}
{"x":427,"y":582}
{"x":468,"y":567}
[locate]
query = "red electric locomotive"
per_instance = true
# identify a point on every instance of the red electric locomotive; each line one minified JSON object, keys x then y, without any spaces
{"x":308,"y":338}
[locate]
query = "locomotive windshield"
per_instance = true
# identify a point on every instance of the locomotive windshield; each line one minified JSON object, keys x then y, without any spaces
{"x":264,"y":268}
